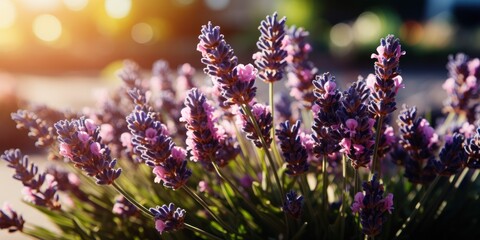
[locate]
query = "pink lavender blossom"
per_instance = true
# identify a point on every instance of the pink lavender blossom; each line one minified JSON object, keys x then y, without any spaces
{"x":10,"y":220}
{"x":271,"y":60}
{"x":387,"y":78}
{"x":294,"y":153}
{"x":80,"y":142}
{"x":262,"y":115}
{"x":38,"y":188}
{"x":167,"y":218}
{"x":372,"y":207}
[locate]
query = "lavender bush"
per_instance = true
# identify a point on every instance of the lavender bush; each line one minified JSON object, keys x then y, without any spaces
{"x":210,"y":161}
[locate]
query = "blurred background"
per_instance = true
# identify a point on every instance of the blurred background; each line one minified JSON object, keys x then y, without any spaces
{"x":60,"y":52}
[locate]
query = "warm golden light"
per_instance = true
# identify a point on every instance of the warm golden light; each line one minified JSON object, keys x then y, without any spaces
{"x":75,"y":5}
{"x":8,"y":14}
{"x":118,"y":8}
{"x":47,"y":27}
{"x":41,"y":5}
{"x":142,"y":33}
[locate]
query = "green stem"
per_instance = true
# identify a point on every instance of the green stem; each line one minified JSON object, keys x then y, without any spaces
{"x":139,"y":206}
{"x":201,"y":231}
{"x":325,"y":184}
{"x":418,"y":206}
{"x":146,"y":212}
{"x":305,"y":192}
{"x":344,"y":197}
{"x":272,"y":109}
{"x":249,"y":113}
{"x":375,"y":149}
{"x":205,"y":205}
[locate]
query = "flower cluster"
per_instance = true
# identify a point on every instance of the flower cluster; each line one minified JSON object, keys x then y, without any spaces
{"x":34,"y":190}
{"x":452,"y":157}
{"x":419,"y":139}
{"x":124,"y":208}
{"x":372,"y":206}
{"x":325,"y":120}
{"x":356,"y":125}
{"x":234,"y":82}
{"x":10,"y":220}
{"x":80,"y":142}
{"x":300,"y":71}
{"x":202,"y":135}
{"x":270,"y":58}
{"x":387,"y":79}
{"x":472,"y":149}
{"x":151,"y":139}
{"x":293,"y":204}
{"x":462,"y":86}
{"x":167,"y":218}
{"x":294,"y":153}
{"x":155,"y":124}
{"x":264,"y":119}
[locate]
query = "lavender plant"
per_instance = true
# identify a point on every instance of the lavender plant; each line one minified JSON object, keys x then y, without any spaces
{"x":177,"y":161}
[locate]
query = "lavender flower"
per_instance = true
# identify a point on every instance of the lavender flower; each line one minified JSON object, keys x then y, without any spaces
{"x":80,"y":142}
{"x":38,"y":128}
{"x":419,"y":139}
{"x":185,"y":79}
{"x":356,"y":125}
{"x":325,"y":121}
{"x":372,"y":207}
{"x":301,"y":71}
{"x":294,"y":153}
{"x":462,"y":86}
{"x":293,"y":204}
{"x":234,"y":82}
{"x":34,"y":190}
{"x":68,"y":182}
{"x":263,"y":117}
{"x":452,"y":157}
{"x":270,"y":58}
{"x":124,"y":208}
{"x":167,"y":218}
{"x":202,"y":135}
{"x":150,"y":137}
{"x":282,"y":107}
{"x":10,"y":220}
{"x":387,"y":78}
{"x":472,"y":148}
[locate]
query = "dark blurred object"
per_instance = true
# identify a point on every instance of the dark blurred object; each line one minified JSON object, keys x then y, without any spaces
{"x":467,"y":14}
{"x":10,"y":137}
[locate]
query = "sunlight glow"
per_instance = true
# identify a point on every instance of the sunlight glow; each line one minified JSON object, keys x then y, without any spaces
{"x":142,"y":33}
{"x":41,"y":5}
{"x":75,"y":5}
{"x":47,"y":27}
{"x":8,"y":14}
{"x":118,"y":8}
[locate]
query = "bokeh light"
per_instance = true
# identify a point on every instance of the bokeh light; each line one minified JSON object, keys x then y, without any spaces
{"x":367,"y":28}
{"x":217,"y":4}
{"x":8,"y":14}
{"x":41,"y":5}
{"x":47,"y":27}
{"x":412,"y":32}
{"x":142,"y":33}
{"x":75,"y":5}
{"x":118,"y":8}
{"x":341,"y":35}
